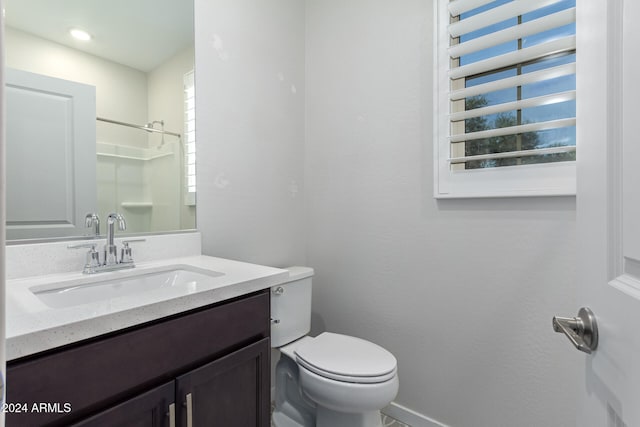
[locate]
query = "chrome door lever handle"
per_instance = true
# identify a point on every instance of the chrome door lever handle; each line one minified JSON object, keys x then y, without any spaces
{"x":582,"y":330}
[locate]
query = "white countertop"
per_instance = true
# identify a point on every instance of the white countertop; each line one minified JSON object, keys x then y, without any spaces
{"x":32,"y":326}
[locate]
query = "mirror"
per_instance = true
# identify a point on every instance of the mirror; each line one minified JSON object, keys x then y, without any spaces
{"x":136,"y":154}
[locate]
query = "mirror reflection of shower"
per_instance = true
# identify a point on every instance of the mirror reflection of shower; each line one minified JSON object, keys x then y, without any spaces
{"x":146,"y":177}
{"x":151,"y":125}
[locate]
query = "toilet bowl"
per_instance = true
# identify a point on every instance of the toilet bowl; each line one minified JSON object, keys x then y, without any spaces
{"x":331,"y":380}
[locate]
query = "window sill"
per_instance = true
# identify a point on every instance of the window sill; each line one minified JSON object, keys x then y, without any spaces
{"x":540,"y":180}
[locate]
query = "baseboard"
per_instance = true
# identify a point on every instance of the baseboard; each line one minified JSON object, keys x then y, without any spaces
{"x":399,"y":412}
{"x":410,"y":417}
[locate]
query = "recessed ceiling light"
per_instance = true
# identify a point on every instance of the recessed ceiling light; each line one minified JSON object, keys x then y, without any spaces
{"x":79,"y":34}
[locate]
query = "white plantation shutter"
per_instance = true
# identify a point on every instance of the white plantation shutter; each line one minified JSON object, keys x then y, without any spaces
{"x":506,"y":69}
{"x":190,"y":138}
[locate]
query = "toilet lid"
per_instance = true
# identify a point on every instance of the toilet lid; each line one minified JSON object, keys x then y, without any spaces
{"x":345,"y":358}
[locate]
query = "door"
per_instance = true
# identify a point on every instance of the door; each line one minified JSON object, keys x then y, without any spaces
{"x":608,"y":209}
{"x":50,"y":126}
{"x":231,"y":391}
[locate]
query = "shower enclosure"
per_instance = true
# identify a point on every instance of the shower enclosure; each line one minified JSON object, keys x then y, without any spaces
{"x":140,"y":170}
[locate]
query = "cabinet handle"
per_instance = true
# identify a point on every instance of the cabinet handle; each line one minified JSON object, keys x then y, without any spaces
{"x":172,"y":415}
{"x":189,"y":410}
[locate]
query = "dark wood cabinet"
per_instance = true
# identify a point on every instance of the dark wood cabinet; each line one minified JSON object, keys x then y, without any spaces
{"x":231,"y":391}
{"x":213,"y":361}
{"x":150,"y":409}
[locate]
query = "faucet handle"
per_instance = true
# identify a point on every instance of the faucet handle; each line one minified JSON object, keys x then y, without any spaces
{"x":125,"y":254}
{"x":93,"y":257}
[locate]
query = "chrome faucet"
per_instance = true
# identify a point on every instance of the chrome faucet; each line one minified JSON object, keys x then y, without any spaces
{"x":93,"y":220}
{"x":110,"y":249}
{"x":110,"y":260}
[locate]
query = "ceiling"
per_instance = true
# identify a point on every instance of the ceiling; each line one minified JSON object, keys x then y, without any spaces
{"x":141,"y":34}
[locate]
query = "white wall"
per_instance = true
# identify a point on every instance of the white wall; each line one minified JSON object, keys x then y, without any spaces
{"x":462,"y":292}
{"x":250,"y":129}
{"x":165,"y":93}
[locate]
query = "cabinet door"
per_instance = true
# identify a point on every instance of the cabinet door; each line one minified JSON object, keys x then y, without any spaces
{"x":150,"y":409}
{"x":231,"y":391}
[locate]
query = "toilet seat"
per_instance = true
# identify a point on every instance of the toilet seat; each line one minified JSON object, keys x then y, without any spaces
{"x":346,"y":359}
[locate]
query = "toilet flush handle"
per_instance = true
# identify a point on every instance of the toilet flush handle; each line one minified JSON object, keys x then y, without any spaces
{"x":276,"y":291}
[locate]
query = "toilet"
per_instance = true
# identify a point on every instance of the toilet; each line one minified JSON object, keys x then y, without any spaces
{"x":331,"y":380}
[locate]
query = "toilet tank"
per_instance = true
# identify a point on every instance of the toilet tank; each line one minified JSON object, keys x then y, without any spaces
{"x":291,"y":307}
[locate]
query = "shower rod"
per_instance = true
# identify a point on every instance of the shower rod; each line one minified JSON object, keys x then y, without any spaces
{"x":131,"y":125}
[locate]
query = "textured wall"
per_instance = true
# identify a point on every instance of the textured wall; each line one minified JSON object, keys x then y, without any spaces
{"x":462,"y":292}
{"x":250,"y":129}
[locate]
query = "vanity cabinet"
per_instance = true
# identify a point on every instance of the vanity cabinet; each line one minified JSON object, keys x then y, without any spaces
{"x":236,"y":381}
{"x":148,"y":409}
{"x":208,"y":366}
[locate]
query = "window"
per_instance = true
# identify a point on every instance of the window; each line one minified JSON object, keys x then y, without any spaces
{"x":506,"y":100}
{"x":190,"y":138}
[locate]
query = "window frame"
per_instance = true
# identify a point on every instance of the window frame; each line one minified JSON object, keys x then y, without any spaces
{"x":543,"y":179}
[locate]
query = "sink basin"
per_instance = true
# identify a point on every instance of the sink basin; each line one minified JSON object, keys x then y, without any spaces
{"x":102,"y":288}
